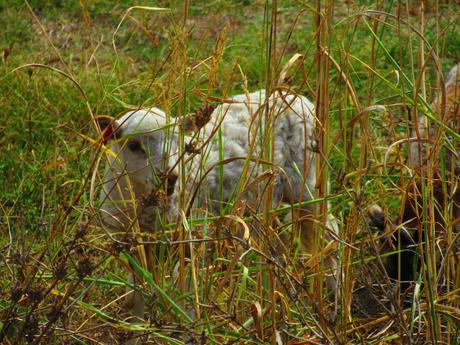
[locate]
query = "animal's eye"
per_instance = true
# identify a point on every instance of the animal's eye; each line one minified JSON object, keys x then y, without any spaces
{"x":134,"y":146}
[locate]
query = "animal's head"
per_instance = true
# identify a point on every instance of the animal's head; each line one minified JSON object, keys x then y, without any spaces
{"x":453,"y":77}
{"x":145,"y":147}
{"x":452,"y":86}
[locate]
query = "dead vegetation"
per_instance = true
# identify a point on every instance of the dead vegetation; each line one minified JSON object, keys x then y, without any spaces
{"x":375,"y":70}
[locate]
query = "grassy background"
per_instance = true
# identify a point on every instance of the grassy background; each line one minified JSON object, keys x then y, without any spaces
{"x":45,"y":159}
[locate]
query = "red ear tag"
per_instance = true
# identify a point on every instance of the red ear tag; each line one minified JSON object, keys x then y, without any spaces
{"x":107,"y":134}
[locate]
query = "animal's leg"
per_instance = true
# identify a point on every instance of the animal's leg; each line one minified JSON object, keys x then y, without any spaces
{"x":135,"y":301}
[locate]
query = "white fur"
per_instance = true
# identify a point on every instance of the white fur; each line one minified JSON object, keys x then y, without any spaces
{"x":292,"y":145}
{"x":418,"y":148}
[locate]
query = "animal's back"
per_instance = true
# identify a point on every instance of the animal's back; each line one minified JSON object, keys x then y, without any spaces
{"x":243,"y":141}
{"x":451,"y":118}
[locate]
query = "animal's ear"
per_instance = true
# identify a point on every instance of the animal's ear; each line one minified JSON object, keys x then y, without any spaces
{"x":109,"y":127}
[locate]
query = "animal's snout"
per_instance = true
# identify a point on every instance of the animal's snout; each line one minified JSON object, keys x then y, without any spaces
{"x":171,"y":183}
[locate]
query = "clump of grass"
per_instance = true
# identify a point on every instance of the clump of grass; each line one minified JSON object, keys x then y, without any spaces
{"x":372,"y":68}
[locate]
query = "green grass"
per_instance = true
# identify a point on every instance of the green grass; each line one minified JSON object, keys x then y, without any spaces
{"x":67,"y":272}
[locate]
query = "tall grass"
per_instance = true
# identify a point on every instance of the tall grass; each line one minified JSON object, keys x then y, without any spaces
{"x":371,"y":68}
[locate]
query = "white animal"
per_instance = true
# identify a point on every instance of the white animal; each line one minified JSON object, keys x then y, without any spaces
{"x":142,"y":181}
{"x":426,"y":136}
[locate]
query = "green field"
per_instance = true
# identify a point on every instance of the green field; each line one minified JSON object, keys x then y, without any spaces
{"x":374,"y":66}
